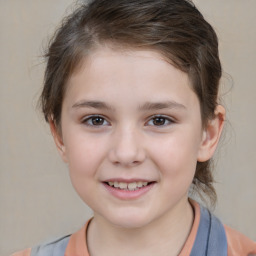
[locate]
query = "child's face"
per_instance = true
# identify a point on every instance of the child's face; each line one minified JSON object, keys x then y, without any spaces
{"x":130,"y":117}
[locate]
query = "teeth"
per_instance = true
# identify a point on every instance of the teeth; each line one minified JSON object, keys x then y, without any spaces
{"x":123,"y":185}
{"x":132,"y":186}
{"x":139,"y":184}
{"x":128,"y":186}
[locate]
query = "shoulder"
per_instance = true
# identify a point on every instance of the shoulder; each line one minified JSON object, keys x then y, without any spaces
{"x":239,"y":244}
{"x":55,"y":247}
{"x":23,"y":253}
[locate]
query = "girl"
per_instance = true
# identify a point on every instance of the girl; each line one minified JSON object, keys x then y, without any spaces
{"x":131,"y":97}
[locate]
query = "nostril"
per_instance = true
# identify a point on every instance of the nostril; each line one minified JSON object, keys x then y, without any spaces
{"x":132,"y":163}
{"x":127,"y":154}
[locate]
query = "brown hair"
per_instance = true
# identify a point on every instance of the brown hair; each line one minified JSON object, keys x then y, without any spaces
{"x":174,"y":28}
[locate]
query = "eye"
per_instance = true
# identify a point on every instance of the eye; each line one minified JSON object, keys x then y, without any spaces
{"x":160,"y":121}
{"x":95,"y":121}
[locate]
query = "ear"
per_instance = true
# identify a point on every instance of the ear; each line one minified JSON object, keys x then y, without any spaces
{"x":211,"y":135}
{"x":58,"y":140}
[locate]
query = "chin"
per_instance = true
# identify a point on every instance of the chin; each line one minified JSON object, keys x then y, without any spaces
{"x":129,"y":223}
{"x":130,"y":220}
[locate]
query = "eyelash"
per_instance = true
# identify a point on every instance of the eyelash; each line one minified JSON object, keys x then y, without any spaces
{"x":168,"y":119}
{"x":89,"y":121}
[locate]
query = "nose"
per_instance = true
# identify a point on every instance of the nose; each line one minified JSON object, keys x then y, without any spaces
{"x":127,"y":148}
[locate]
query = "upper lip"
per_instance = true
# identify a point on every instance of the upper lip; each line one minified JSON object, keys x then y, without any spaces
{"x":127,"y":180}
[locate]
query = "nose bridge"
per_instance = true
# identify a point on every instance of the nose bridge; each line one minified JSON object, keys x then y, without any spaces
{"x":127,"y":146}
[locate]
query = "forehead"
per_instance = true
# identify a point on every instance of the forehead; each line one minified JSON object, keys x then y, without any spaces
{"x":104,"y":57}
{"x":111,"y":73}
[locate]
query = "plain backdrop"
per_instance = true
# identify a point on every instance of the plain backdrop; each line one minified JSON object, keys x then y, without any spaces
{"x":37,"y":201}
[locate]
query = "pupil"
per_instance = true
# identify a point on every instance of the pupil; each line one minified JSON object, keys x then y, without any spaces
{"x":159,"y":121}
{"x":97,"y":121}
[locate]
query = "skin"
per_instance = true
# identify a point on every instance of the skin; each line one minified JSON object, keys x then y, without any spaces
{"x":129,"y":142}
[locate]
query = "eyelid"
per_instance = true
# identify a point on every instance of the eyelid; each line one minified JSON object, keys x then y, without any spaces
{"x":168,"y":118}
{"x":85,"y":119}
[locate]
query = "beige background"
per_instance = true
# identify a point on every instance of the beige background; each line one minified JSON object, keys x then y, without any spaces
{"x":37,"y":201}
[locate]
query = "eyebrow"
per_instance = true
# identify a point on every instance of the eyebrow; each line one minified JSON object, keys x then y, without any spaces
{"x":92,"y":104}
{"x":148,"y":106}
{"x":161,"y":105}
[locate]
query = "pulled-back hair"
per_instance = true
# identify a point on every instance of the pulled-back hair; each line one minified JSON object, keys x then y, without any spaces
{"x":173,"y":28}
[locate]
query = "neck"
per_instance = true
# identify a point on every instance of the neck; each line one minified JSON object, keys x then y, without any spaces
{"x":163,"y":236}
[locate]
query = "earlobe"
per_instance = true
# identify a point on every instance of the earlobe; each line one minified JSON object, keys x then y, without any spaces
{"x":211,"y":135}
{"x":58,"y":140}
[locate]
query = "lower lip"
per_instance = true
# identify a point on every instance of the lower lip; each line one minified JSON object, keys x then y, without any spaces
{"x":128,"y":194}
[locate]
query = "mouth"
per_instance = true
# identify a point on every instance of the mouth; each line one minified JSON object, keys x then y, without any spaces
{"x":129,"y":186}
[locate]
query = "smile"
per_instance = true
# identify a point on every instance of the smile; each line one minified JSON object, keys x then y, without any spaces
{"x":128,"y":186}
{"x":128,"y":189}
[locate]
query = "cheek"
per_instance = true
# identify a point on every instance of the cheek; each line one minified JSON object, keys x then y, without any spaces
{"x":84,"y":156}
{"x":176,"y":158}
{"x":84,"y":160}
